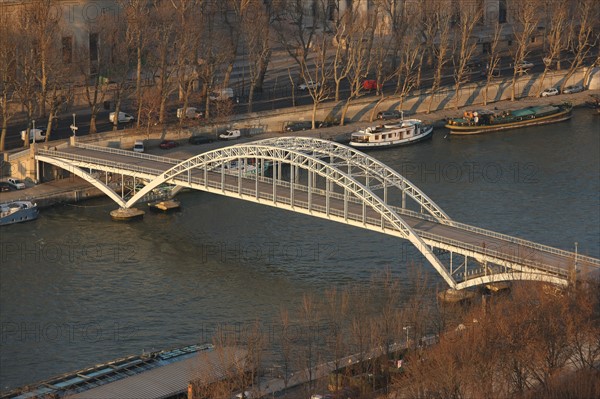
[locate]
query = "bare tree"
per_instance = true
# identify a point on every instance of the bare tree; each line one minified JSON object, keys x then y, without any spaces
{"x":360,"y":332}
{"x":232,"y":14}
{"x":25,"y":72}
{"x":213,"y":52}
{"x":186,"y":41}
{"x":525,"y":20}
{"x":555,"y":37}
{"x":255,"y":21}
{"x":8,"y":72}
{"x":584,"y":35}
{"x":317,"y":74}
{"x":438,"y":23}
{"x":469,"y":15}
{"x":343,"y":30}
{"x":384,"y":55}
{"x":286,"y":337}
{"x":95,"y":85}
{"x":44,"y":28}
{"x":138,"y":34}
{"x":150,"y":107}
{"x":493,"y":60}
{"x":162,"y":53}
{"x":337,"y":306}
{"x":117,"y":52}
{"x":295,"y":29}
{"x":408,"y":68}
{"x":308,"y":353}
{"x":358,"y":59}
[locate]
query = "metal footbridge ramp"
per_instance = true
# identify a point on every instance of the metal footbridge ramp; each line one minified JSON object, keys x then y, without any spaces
{"x":332,"y":181}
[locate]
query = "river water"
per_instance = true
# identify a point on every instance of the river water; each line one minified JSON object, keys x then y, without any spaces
{"x":78,"y":289}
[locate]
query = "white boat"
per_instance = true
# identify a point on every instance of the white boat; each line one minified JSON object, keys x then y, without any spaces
{"x":17,"y":211}
{"x":408,"y":131}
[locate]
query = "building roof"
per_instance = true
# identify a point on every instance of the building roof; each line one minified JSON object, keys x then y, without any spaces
{"x":171,"y":379}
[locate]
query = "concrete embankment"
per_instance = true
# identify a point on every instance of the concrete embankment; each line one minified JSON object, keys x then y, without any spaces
{"x":69,"y":190}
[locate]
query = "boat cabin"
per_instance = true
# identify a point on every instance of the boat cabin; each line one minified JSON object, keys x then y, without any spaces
{"x":384,"y":133}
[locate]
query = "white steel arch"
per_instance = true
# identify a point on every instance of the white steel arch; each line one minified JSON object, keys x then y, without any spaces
{"x":367,"y":164}
{"x":84,"y":175}
{"x":207,"y":161}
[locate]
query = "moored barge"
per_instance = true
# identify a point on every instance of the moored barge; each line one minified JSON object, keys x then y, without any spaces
{"x":475,"y":122}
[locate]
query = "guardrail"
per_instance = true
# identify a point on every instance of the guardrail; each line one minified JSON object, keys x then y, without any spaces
{"x":525,"y":243}
{"x":132,"y":154}
{"x":101,"y":162}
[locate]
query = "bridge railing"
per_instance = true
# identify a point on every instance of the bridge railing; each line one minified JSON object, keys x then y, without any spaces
{"x":133,"y":154}
{"x":101,"y":162}
{"x":525,"y":243}
{"x":517,"y":260}
{"x":475,"y":249}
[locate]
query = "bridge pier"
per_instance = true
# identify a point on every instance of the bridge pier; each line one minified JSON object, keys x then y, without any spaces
{"x":454,"y":296}
{"x":125,"y":214}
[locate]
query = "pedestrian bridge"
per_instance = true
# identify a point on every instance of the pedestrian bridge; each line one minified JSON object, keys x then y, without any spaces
{"x":332,"y":181}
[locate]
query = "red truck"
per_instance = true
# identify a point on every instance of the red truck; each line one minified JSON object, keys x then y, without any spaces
{"x":370,"y":84}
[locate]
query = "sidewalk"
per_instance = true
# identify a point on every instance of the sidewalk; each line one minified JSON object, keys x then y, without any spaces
{"x":72,"y":189}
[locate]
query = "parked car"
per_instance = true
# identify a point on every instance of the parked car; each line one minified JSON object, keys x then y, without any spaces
{"x":16,"y":183}
{"x":298,"y":126}
{"x":524,"y":65}
{"x":4,"y":186}
{"x":309,"y":85}
{"x":167,"y":144}
{"x":230,"y":135}
{"x":200,"y":140}
{"x":388,"y":115}
{"x":244,"y":395}
{"x":370,"y":84}
{"x":190,"y":113}
{"x":138,"y":146}
{"x":552,"y":91}
{"x":573,"y":89}
{"x":123,"y":117}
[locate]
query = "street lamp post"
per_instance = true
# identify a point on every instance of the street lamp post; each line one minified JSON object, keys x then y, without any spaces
{"x":74,"y":126}
{"x":406,"y":328}
{"x":32,"y":132}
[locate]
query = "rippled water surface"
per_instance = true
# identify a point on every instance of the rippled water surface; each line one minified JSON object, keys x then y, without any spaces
{"x":78,"y":289}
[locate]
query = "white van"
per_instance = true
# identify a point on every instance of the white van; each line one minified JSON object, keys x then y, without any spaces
{"x":222,"y":94}
{"x":123,"y":117}
{"x":230,"y":135}
{"x":138,"y":146}
{"x":34,"y":135}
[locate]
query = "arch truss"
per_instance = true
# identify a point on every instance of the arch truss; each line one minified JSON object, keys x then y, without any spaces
{"x":320,"y":178}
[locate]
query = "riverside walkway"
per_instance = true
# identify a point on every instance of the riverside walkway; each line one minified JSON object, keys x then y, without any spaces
{"x":325,"y":179}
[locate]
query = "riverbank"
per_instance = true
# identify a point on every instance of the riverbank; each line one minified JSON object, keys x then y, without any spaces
{"x":70,"y":190}
{"x":75,"y":189}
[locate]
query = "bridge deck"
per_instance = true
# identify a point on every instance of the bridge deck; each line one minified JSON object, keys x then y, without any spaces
{"x":452,"y":236}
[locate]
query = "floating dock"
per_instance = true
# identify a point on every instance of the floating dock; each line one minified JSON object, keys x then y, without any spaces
{"x":164,"y":206}
{"x":161,"y":374}
{"x":125,"y":214}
